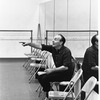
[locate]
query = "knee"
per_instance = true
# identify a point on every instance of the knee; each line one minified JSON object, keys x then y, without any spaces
{"x":42,"y":78}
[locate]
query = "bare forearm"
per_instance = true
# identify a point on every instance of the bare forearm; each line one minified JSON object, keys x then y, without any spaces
{"x":35,"y":45}
{"x":56,"y":69}
{"x":60,"y":68}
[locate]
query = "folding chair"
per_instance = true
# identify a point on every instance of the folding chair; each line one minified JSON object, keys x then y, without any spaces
{"x":70,"y":86}
{"x":87,"y":88}
{"x":38,"y":66}
{"x":39,"y":59}
{"x":93,"y":96}
{"x":75,"y":65}
{"x":34,"y":54}
{"x":49,"y":64}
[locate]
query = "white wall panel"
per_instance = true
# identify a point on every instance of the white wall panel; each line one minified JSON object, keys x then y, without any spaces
{"x":60,"y":14}
{"x":73,"y":15}
{"x":49,"y":14}
{"x":10,"y":46}
{"x":94,"y":14}
{"x":78,"y":15}
{"x":52,"y":15}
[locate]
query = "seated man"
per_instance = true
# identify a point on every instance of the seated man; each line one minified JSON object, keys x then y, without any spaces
{"x":90,"y":62}
{"x":62,"y":59}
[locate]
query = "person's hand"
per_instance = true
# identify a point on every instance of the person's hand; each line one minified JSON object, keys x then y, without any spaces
{"x":48,"y":71}
{"x":95,"y":68}
{"x":24,"y":43}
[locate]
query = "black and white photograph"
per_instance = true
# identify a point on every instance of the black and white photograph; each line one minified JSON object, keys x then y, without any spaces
{"x":49,"y":49}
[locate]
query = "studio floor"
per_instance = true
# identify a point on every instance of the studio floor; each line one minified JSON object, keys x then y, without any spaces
{"x":14,"y":81}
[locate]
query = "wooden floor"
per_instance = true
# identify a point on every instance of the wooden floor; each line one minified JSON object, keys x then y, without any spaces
{"x":14,"y":81}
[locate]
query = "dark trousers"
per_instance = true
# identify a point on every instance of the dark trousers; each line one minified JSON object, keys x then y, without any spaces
{"x":59,"y":76}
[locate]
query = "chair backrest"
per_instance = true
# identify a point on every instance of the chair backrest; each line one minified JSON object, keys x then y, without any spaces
{"x":74,"y":79}
{"x":75,"y":65}
{"x":77,"y":75}
{"x":73,"y":82}
{"x":88,"y":87}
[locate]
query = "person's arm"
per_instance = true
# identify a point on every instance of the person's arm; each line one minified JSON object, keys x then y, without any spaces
{"x":56,"y":69}
{"x":35,"y":45}
{"x":92,"y":60}
{"x":66,"y":63}
{"x":66,"y":60}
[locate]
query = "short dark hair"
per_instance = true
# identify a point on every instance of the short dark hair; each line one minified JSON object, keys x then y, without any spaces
{"x":62,"y":39}
{"x":94,"y":39}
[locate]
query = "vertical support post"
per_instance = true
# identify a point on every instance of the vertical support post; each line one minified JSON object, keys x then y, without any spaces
{"x":54,"y":19}
{"x":31,"y":39}
{"x":46,"y":38}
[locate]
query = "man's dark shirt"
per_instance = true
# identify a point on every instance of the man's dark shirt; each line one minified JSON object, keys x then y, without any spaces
{"x":61,"y":57}
{"x":90,"y":60}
